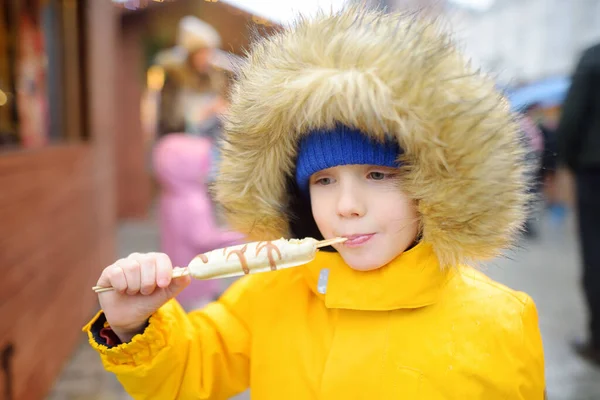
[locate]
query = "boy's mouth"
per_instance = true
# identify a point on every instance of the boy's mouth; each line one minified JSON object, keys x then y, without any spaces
{"x":357,"y":240}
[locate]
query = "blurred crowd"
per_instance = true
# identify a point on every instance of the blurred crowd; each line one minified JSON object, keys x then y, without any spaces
{"x":189,"y":103}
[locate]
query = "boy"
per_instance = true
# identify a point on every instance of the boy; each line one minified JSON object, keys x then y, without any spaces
{"x":367,"y":126}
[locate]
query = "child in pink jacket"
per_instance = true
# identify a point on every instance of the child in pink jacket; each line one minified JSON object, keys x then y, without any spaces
{"x":187,"y":221}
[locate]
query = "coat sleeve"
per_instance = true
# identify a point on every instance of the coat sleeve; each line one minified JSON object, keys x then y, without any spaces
{"x":576,"y":113}
{"x":201,"y":355}
{"x":531,"y":379}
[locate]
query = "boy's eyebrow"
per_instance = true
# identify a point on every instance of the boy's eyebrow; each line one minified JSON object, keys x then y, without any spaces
{"x":316,"y":175}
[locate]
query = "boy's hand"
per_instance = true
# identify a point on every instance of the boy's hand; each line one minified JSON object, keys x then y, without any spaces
{"x":142,"y":285}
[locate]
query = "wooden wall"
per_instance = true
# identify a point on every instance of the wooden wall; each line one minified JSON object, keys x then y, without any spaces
{"x":57,"y":225}
{"x":132,"y":172}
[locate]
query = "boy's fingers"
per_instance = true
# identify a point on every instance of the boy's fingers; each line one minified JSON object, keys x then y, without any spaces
{"x":142,"y":273}
{"x":177,"y":285}
{"x":134,"y":256}
{"x":148,"y":277}
{"x":164,"y":270}
{"x":114,"y":276}
{"x":133,"y":275}
{"x":118,"y":279}
{"x":104,"y":279}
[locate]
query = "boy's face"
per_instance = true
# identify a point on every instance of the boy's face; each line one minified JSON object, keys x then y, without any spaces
{"x":364,"y":203}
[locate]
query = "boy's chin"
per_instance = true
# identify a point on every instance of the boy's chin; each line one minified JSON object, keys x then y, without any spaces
{"x":360,"y":264}
{"x":363,"y":259}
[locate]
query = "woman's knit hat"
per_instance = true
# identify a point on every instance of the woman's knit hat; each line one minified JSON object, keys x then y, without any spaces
{"x":195,"y":34}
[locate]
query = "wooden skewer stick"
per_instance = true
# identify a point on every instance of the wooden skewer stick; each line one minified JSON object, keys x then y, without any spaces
{"x":329,"y":242}
{"x":102,"y":289}
{"x":178,"y":272}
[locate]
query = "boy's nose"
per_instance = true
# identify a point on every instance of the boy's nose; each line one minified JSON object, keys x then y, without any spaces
{"x":350,"y":203}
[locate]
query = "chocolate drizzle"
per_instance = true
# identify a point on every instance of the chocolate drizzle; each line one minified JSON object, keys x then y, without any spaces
{"x":270,"y":249}
{"x":203,"y":257}
{"x":241,"y":257}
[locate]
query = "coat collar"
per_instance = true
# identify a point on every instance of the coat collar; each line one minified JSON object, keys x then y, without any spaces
{"x":413,"y":279}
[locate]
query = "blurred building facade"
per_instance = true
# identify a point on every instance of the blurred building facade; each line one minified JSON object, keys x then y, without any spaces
{"x":523,"y":41}
{"x":518,"y":40}
{"x":57,"y":216}
{"x":404,"y":5}
{"x":73,"y":161}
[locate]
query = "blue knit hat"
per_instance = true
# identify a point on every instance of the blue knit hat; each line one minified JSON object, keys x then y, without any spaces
{"x":322,"y":149}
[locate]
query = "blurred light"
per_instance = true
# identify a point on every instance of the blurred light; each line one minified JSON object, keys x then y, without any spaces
{"x":284,"y":11}
{"x":3,"y":98}
{"x":155,"y":78}
{"x":479,"y":5}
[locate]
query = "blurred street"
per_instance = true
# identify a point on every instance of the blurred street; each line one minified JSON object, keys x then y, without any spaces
{"x":546,"y":268}
{"x":83,"y":377}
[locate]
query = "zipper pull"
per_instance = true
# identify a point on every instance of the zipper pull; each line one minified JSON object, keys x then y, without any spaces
{"x":322,"y":283}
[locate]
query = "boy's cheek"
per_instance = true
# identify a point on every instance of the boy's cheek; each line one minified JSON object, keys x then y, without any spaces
{"x":324,"y":228}
{"x":322,"y":218}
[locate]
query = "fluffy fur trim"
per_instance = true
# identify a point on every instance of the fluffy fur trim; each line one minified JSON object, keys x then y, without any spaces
{"x":393,"y":74}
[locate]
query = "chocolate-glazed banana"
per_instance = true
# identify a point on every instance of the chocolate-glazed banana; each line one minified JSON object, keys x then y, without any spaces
{"x":250,"y":258}
{"x":253,"y":257}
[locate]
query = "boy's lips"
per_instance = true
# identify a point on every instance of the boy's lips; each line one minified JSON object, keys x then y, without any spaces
{"x":357,"y":240}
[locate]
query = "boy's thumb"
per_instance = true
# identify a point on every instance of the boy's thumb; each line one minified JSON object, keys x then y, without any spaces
{"x":177,"y":285}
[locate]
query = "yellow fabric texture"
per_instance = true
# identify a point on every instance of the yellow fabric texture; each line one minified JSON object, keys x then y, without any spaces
{"x":410,"y":330}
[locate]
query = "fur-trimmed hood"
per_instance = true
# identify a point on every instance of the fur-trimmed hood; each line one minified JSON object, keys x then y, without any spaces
{"x":394,"y":74}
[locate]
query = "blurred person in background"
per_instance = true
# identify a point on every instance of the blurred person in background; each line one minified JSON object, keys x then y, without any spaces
{"x":191,"y":101}
{"x":579,"y":150}
{"x":186,"y":215}
{"x":32,"y":92}
{"x":192,"y":95}
{"x":548,"y":131}
{"x":546,"y":176}
{"x":535,"y":140}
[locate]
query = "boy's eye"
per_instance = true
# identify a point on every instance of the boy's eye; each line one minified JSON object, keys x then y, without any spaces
{"x":323,"y":181}
{"x":377,"y":176}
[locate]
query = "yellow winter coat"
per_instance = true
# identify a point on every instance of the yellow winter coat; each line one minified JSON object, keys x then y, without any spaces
{"x":407,"y":331}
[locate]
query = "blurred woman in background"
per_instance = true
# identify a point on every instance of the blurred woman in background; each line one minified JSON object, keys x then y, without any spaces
{"x":192,"y":95}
